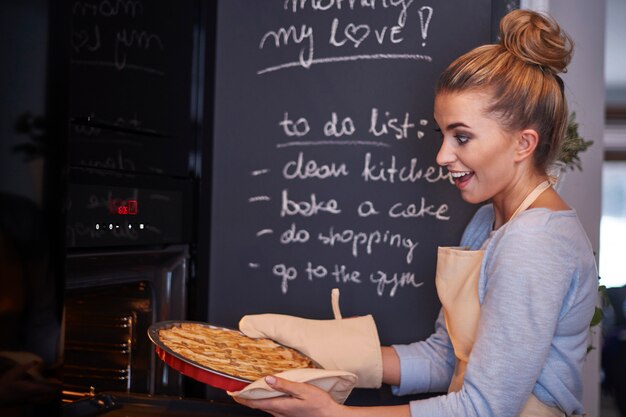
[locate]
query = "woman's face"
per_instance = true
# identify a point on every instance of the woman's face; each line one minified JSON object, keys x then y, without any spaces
{"x":475,"y":148}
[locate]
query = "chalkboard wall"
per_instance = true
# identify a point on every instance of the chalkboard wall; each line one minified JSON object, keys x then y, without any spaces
{"x":324,"y":171}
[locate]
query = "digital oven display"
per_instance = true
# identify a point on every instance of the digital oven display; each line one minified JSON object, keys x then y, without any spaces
{"x":123,"y":207}
{"x":105,"y":215}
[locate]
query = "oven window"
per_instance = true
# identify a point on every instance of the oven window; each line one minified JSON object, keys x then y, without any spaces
{"x":105,"y":343}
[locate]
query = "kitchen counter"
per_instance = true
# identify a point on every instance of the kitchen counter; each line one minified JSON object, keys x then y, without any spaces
{"x":136,"y":405}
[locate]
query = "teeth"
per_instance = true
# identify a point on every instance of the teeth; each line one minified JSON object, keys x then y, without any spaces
{"x":459,"y":174}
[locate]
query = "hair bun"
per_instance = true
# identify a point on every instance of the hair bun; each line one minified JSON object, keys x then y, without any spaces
{"x":536,"y":39}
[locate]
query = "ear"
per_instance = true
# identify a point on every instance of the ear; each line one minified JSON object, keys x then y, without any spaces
{"x":527,"y":142}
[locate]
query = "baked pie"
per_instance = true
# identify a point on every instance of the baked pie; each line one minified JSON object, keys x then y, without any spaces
{"x":231,"y":352}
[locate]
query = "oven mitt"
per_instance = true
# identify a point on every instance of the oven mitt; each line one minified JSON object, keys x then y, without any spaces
{"x":338,"y":384}
{"x":350,"y":344}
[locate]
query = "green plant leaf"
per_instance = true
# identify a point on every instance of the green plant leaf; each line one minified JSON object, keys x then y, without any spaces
{"x":573,"y":145}
{"x":597,"y":317}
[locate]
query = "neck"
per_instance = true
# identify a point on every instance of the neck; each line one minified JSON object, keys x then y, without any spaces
{"x":506,"y":202}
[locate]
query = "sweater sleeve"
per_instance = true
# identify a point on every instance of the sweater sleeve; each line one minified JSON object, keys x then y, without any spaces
{"x":426,"y":366}
{"x":527,"y":281}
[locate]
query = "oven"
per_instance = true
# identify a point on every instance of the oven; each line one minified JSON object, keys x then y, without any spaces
{"x":135,"y":132}
{"x":132,"y":173}
{"x":129,"y":264}
{"x":128,"y":239}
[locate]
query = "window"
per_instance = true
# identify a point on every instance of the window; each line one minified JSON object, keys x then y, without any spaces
{"x":613,"y":224}
{"x":612,"y":262}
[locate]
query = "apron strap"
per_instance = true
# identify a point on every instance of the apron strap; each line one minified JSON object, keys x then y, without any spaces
{"x":530,"y":198}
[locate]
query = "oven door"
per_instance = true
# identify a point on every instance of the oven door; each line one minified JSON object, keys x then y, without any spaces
{"x":111,"y":299}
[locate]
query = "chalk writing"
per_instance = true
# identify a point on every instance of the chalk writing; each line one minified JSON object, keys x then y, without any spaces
{"x":396,"y":280}
{"x":89,"y":39}
{"x":333,"y":143}
{"x":286,"y":274}
{"x":259,"y":198}
{"x":108,"y":8}
{"x":307,"y":208}
{"x":119,"y":161}
{"x":355,"y":34}
{"x":380,"y":171}
{"x":298,"y":128}
{"x":425,"y":14}
{"x":347,"y":34}
{"x":365,"y":241}
{"x":331,"y":128}
{"x":126,"y":40}
{"x":258,"y":172}
{"x":366,"y":209}
{"x":385,"y":283}
{"x":286,"y":36}
{"x":293,"y":234}
{"x":86,"y":130}
{"x":358,"y":57}
{"x":112,"y":44}
{"x":385,"y":125}
{"x":296,"y":6}
{"x":299,"y":169}
{"x":374,"y":169}
{"x":400,"y":129}
{"x":325,"y":108}
{"x":422,"y":210}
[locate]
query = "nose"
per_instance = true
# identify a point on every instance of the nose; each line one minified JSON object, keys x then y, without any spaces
{"x":446,"y":155}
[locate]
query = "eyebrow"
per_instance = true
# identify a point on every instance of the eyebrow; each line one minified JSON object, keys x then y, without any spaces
{"x":455,"y":125}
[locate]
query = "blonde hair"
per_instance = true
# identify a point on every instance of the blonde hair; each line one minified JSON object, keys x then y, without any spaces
{"x":521,"y":74}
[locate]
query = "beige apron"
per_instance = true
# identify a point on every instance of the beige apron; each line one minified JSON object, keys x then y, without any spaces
{"x":457,"y":275}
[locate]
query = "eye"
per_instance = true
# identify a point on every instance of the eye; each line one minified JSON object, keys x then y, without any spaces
{"x":462,"y":139}
{"x":438,"y":130}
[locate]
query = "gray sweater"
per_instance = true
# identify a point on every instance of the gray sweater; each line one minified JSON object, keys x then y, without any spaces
{"x":537,"y":288}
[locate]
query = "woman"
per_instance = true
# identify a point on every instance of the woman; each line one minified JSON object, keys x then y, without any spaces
{"x":516,"y":304}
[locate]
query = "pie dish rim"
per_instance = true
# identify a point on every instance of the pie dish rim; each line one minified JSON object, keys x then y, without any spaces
{"x":195,"y":370}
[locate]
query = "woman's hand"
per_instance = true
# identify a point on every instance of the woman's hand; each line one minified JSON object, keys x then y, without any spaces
{"x":302,"y":400}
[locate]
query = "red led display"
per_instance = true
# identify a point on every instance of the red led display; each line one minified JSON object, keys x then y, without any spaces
{"x":123,"y":207}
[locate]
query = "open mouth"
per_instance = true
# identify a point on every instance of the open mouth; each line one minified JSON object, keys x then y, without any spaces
{"x":461,"y":178}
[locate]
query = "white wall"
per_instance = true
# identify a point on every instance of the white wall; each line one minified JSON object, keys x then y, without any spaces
{"x":585,"y":22}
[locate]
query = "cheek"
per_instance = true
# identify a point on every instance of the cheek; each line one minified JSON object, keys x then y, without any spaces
{"x":496,"y":157}
{"x":497,"y":170}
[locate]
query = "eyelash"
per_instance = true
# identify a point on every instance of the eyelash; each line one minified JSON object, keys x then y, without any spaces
{"x":462,"y":139}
